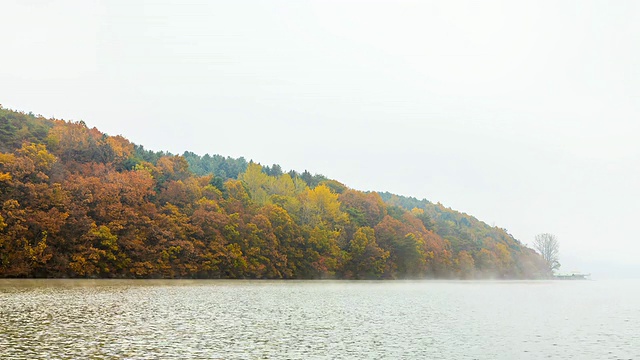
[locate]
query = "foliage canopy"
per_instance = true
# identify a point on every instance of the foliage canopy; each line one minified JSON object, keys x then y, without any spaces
{"x":75,"y":202}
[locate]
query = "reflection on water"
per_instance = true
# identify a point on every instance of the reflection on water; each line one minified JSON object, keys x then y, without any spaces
{"x":147,"y":319}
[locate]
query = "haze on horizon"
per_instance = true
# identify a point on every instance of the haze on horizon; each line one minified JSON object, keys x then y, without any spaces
{"x":522,"y":114}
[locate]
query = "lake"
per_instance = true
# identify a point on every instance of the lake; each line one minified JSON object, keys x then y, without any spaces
{"x":226,"y":319}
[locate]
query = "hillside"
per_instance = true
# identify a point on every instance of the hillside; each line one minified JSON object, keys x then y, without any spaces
{"x":75,"y":202}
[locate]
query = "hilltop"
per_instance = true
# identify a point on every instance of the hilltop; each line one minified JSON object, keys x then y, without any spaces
{"x":75,"y":202}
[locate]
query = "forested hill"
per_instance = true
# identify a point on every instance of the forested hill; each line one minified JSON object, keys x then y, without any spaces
{"x":462,"y":231}
{"x":75,"y":202}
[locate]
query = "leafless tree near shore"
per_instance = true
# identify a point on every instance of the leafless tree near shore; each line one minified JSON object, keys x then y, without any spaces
{"x":547,"y":245}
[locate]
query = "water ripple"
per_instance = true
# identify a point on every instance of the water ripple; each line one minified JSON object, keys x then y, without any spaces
{"x":72,"y":319}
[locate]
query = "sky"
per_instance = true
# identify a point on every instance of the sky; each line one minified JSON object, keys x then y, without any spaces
{"x":524,"y":114}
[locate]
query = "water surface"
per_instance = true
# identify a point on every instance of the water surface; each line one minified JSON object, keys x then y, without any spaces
{"x":149,"y":319}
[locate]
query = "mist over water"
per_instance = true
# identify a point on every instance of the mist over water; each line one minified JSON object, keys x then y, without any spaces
{"x":147,"y":319}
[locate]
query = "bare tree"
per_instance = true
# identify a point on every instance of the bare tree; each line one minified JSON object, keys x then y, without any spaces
{"x":547,"y":245}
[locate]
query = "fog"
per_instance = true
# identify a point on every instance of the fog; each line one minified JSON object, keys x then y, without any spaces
{"x":523,"y":114}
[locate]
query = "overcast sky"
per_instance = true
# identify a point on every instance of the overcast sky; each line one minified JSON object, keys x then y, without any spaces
{"x":524,"y":114}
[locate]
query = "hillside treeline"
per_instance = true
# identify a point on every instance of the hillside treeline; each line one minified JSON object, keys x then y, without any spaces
{"x":75,"y":202}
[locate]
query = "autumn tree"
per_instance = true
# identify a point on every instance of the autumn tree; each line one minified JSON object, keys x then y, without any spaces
{"x":256,"y":181}
{"x":366,"y":260}
{"x":290,"y":239}
{"x":321,"y":206}
{"x":465,"y":265}
{"x":364,"y":209}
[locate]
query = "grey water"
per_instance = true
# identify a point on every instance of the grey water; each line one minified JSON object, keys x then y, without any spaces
{"x":181,"y":319}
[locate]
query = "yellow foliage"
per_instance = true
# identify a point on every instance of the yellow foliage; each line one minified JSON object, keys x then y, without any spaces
{"x":361,"y":239}
{"x":67,"y":135}
{"x":145,"y":166}
{"x":299,"y":185}
{"x":38,"y":154}
{"x":282,"y":186}
{"x":503,"y":254}
{"x":256,"y":180}
{"x":121,"y":146}
{"x":320,"y":204}
{"x":7,"y":158}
